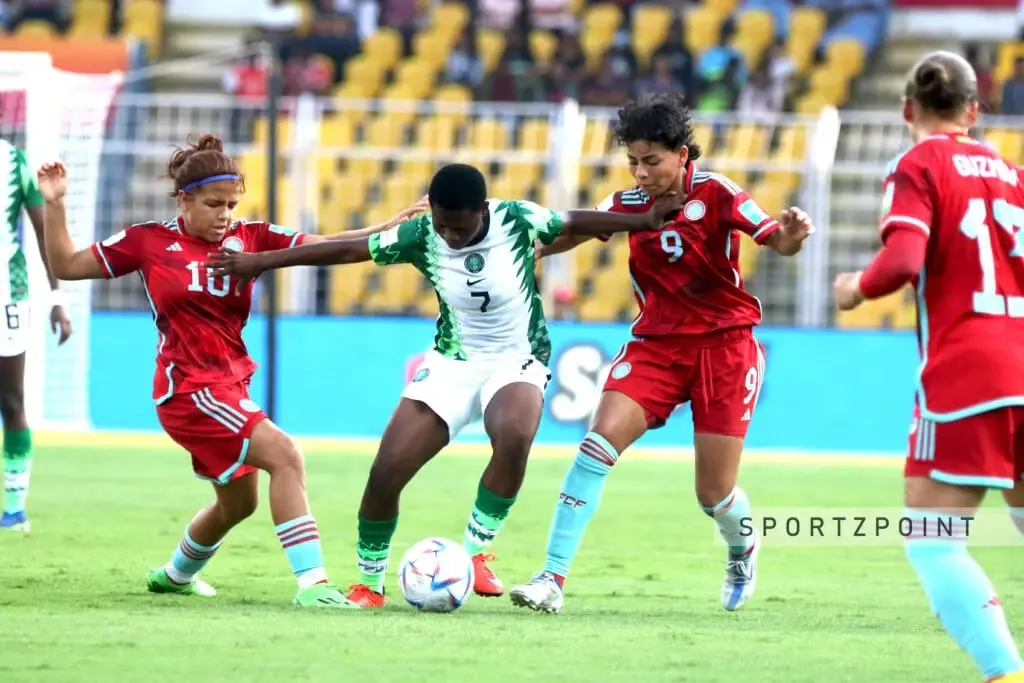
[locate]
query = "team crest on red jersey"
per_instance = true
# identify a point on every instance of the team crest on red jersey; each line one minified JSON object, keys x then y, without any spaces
{"x":695,"y":210}
{"x":233,"y":244}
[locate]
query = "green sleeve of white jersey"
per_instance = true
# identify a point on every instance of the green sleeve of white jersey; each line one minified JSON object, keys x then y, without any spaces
{"x":406,"y":243}
{"x":545,"y":224}
{"x":29,"y":187}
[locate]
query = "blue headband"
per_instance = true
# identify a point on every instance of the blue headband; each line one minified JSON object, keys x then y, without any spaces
{"x":206,"y":181}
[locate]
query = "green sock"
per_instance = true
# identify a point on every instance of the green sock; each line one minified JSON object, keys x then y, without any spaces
{"x":486,"y":520}
{"x":373,"y":551}
{"x":17,"y":468}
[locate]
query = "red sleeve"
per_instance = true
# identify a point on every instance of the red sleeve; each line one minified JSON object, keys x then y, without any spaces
{"x":900,"y":260}
{"x":270,"y":237}
{"x":121,"y":253}
{"x":740,"y":212}
{"x":907,"y":200}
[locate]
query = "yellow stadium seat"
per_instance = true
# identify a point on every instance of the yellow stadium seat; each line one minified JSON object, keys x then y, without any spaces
{"x":523,"y":175}
{"x":831,"y":84}
{"x":88,"y":30}
{"x":337,"y":131}
{"x":383,"y":47}
{"x":807,"y":23}
{"x":491,"y":46}
{"x":801,"y":50}
{"x":747,"y":141}
{"x":533,"y":136}
{"x":756,"y":26}
{"x":596,"y":310}
{"x":431,"y":47}
{"x":596,"y":137}
{"x":354,"y":91}
{"x":285,"y":131}
{"x":722,"y":8}
{"x":94,"y":9}
{"x":604,"y":19}
{"x":812,"y":104}
{"x":347,"y":286}
{"x":488,"y":134}
{"x":770,"y":197}
{"x":702,"y":136}
{"x":619,"y":174}
{"x":398,"y":289}
{"x":703,"y":29}
{"x":399,"y":192}
{"x":386,"y":130}
{"x":151,"y":11}
{"x":847,"y":55}
{"x":651,"y":23}
{"x":436,"y":133}
{"x":1009,"y":143}
{"x":792,"y":150}
{"x":895,"y":311}
{"x":594,"y":46}
{"x":36,"y":28}
{"x":426,"y":305}
{"x":543,"y":45}
{"x":509,"y":186}
{"x":348,"y":192}
{"x":416,"y":75}
{"x":417,"y":170}
{"x":450,"y":18}
{"x":751,"y":50}
{"x":1008,"y":54}
{"x":586,"y":256}
{"x":366,"y":72}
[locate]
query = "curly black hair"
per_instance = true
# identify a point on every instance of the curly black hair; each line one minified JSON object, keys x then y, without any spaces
{"x":663,"y":118}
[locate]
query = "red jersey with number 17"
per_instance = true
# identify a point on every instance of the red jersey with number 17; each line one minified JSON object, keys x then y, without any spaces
{"x":969,"y":204}
{"x":686,"y":276}
{"x":199,"y":318}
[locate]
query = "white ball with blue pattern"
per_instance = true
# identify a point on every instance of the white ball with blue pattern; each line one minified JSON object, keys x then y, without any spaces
{"x":436,"y":575}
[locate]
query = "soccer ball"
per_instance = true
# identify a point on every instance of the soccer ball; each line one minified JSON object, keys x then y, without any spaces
{"x":436,"y":575}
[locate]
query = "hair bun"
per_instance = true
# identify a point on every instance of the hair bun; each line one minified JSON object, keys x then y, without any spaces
{"x":209,"y":142}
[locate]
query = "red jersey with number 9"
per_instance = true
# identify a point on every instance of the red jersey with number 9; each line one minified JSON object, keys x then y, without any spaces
{"x":686,"y":276}
{"x":199,"y":318}
{"x":969,"y":203}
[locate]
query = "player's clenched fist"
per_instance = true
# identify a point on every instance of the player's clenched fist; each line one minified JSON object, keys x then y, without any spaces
{"x":663,"y":207}
{"x":53,"y":181}
{"x":847,"y":291}
{"x":796,"y":224}
{"x":247,"y":266}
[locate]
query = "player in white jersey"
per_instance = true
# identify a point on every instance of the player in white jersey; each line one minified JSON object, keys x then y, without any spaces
{"x":489,"y":357}
{"x":21,"y":191}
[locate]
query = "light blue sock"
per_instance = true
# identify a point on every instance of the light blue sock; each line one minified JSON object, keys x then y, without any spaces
{"x":963,"y":598}
{"x":301,"y":542}
{"x":188,"y":559}
{"x":578,"y":500}
{"x":732,"y":515}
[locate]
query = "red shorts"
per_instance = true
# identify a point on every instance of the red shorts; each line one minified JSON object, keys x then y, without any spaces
{"x":720,"y":375}
{"x":214,"y":426}
{"x":982,"y":450}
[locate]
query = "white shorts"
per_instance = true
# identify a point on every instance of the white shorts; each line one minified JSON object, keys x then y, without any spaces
{"x":460,"y":390}
{"x":14,"y":329}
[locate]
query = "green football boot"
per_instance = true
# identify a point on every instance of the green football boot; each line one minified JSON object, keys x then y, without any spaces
{"x":324,"y":595}
{"x":158,"y":582}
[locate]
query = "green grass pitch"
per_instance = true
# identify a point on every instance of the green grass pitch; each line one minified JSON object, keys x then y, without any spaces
{"x":642,"y":603}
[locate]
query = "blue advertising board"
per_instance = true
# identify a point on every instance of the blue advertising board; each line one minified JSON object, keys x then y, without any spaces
{"x":824,"y":390}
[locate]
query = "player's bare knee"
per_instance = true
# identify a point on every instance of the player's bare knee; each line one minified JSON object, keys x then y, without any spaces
{"x":511,"y":443}
{"x":238,"y":506}
{"x":711,"y":494}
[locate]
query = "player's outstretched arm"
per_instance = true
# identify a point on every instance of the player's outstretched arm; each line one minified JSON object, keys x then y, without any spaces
{"x":796,"y":227}
{"x":596,"y":223}
{"x":65,"y":262}
{"x":420,"y":207}
{"x":327,"y":253}
{"x":900,"y":260}
{"x":562,"y":244}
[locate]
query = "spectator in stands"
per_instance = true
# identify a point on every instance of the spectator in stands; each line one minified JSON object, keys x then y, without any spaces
{"x":464,"y":65}
{"x":606,"y":88}
{"x":246,"y":82}
{"x":335,"y":36}
{"x":980,"y":62}
{"x":403,"y":16}
{"x":661,"y":80}
{"x":780,"y":71}
{"x":56,"y":12}
{"x":498,"y":15}
{"x":759,"y":98}
{"x":721,"y":94}
{"x":552,"y":15}
{"x":501,"y":86}
{"x":620,"y":52}
{"x":680,"y":59}
{"x":1013,"y":90}
{"x":529,"y":79}
{"x":714,"y":62}
{"x":567,"y":70}
{"x":307,"y":72}
{"x":366,"y":13}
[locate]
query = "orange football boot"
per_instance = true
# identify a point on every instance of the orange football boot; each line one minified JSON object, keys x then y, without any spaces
{"x":485,"y":583}
{"x":365,"y":597}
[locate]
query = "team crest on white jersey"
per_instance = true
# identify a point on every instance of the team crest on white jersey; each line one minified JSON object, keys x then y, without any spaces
{"x":474,"y":263}
{"x":233,"y":244}
{"x":694,"y":210}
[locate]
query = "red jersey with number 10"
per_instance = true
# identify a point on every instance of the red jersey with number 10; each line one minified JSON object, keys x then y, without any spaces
{"x":686,"y":276}
{"x":969,"y":203}
{"x":199,"y":318}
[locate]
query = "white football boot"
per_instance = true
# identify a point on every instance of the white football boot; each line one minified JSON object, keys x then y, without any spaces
{"x":542,"y":594}
{"x":740,"y":577}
